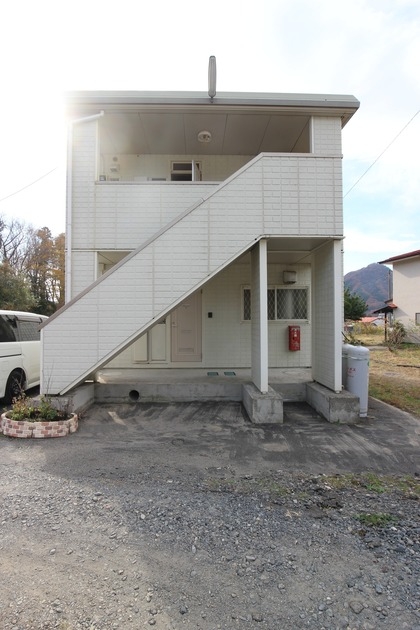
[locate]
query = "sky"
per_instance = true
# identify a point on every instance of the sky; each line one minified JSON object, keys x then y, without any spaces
{"x":367,"y":48}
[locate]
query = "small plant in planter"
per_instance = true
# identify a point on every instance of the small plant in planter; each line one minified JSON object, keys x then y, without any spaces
{"x":30,"y":418}
{"x":24,"y":408}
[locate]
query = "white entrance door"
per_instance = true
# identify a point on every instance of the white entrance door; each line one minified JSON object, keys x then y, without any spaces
{"x":186,"y":330}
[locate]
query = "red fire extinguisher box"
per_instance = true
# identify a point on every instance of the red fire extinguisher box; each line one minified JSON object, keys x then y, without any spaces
{"x":294,"y":338}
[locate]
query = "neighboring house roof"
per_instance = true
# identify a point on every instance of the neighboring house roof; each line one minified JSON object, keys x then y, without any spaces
{"x":401,"y":257}
{"x":370,"y":320}
{"x":390,"y":306}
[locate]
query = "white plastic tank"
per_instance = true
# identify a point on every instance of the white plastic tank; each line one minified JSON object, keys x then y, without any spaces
{"x":358,"y":375}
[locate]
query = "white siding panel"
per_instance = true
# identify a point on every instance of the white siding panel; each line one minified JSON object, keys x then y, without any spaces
{"x":406,"y":285}
{"x":327,"y":315}
{"x":122,"y":216}
{"x":154,"y":279}
{"x":83,"y":270}
{"x":326,"y":135}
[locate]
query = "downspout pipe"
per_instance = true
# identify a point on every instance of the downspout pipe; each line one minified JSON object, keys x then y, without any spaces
{"x":69,"y":198}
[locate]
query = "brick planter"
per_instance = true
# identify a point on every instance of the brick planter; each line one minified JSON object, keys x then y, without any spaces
{"x":26,"y":429}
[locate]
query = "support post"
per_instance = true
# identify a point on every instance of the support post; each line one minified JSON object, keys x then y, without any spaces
{"x":259,"y":316}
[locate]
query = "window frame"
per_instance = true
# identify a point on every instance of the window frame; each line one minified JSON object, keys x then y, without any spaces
{"x":275,"y":288}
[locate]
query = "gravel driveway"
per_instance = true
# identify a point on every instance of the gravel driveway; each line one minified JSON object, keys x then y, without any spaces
{"x":187,"y":515}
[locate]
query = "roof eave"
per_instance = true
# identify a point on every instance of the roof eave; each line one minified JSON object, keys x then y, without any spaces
{"x":400,"y":257}
{"x":342,"y":105}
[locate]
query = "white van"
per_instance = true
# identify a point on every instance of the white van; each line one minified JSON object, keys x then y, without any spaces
{"x":20,"y":348}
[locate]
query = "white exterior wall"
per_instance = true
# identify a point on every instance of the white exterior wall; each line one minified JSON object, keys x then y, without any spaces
{"x":302,"y":195}
{"x":327,"y":315}
{"x":122,"y":216}
{"x":82,"y":174}
{"x":326,"y":135}
{"x":226,"y":336}
{"x":160,"y":276}
{"x":295,"y":195}
{"x":84,"y":264}
{"x":327,"y":271}
{"x":406,"y":293}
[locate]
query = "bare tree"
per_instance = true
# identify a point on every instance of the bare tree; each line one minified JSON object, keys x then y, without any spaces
{"x":57,"y":270}
{"x":36,"y":259}
{"x":15,"y":243}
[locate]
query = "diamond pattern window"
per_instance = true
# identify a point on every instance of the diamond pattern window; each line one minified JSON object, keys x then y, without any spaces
{"x":282,"y":304}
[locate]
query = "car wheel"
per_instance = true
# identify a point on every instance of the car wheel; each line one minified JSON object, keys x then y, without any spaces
{"x":14,"y":387}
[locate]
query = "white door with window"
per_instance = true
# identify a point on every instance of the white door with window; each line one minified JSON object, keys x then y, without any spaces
{"x":186,"y":330}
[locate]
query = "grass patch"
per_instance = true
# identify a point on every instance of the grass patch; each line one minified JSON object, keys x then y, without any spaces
{"x":272,"y":489}
{"x":374,"y":483}
{"x":247,"y":485}
{"x":407,"y":485}
{"x":390,"y":389}
{"x":378,"y":519}
{"x":366,"y":335}
{"x":394,"y":376}
{"x":368,"y":481}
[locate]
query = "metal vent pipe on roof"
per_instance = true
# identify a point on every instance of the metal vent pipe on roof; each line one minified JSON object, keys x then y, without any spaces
{"x":212,"y":76}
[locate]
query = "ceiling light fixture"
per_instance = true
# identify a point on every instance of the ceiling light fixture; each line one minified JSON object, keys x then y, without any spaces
{"x":204,"y":136}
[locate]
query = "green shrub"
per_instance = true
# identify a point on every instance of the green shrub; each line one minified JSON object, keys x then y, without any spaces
{"x":24,"y":408}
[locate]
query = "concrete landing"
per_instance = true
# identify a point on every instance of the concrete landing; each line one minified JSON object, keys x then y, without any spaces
{"x":188,"y":385}
{"x":217,"y":385}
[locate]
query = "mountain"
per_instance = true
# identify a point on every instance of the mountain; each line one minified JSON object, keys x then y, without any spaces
{"x":373,"y":283}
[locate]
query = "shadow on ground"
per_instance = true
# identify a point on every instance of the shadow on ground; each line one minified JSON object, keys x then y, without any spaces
{"x":117,"y":439}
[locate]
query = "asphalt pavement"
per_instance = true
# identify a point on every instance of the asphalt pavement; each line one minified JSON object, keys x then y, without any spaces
{"x":197,"y":436}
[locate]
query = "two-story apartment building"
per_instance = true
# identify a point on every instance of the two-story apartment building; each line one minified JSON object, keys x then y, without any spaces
{"x":199,"y":231}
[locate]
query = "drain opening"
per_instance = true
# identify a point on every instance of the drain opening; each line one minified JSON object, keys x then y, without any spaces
{"x":134,"y":395}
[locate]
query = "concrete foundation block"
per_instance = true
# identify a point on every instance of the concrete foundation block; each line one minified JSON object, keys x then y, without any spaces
{"x":167,"y":392}
{"x":262,"y":408}
{"x":342,"y":408}
{"x":76,"y":401}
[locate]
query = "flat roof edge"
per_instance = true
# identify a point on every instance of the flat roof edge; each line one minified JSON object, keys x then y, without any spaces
{"x":103,"y":98}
